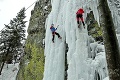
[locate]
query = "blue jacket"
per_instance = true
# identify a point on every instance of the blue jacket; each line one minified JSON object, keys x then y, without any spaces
{"x":53,"y":29}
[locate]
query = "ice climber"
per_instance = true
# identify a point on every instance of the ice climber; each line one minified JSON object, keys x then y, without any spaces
{"x":53,"y":30}
{"x":79,"y":16}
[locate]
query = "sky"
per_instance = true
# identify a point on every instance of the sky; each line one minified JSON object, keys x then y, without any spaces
{"x":10,"y":8}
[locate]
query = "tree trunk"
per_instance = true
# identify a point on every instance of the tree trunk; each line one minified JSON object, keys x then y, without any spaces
{"x":66,"y":63}
{"x":110,"y":40}
{"x":2,"y":65}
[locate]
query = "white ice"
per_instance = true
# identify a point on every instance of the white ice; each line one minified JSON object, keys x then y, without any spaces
{"x":86,"y":59}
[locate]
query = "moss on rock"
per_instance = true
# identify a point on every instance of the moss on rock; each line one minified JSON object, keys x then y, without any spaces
{"x":94,"y":29}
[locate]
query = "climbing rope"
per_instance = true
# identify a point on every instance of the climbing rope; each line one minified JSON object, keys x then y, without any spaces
{"x":25,"y":10}
{"x":31,"y":5}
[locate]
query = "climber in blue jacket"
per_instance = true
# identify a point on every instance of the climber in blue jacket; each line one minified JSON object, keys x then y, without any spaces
{"x":53,"y":30}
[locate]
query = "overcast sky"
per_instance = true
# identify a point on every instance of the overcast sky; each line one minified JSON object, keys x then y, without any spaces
{"x":10,"y":8}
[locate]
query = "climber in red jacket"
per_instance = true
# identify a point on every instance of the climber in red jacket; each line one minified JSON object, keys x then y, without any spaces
{"x":79,"y":16}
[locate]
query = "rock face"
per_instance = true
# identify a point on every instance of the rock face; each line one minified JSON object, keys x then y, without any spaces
{"x":93,"y":28}
{"x":32,"y":63}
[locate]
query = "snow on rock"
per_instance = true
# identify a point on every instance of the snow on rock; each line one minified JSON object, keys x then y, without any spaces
{"x":93,"y":48}
{"x":107,"y":78}
{"x":97,"y":64}
{"x":9,"y":73}
{"x":45,"y":8}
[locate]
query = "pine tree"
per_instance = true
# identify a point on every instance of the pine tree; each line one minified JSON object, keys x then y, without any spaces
{"x":4,"y":46}
{"x":12,"y":37}
{"x":110,"y":40}
{"x":18,"y":31}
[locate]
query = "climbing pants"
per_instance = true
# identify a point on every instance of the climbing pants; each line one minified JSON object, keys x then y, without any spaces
{"x":53,"y":34}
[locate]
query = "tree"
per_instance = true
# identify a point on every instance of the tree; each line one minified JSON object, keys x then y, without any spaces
{"x":4,"y":46}
{"x":12,"y":37}
{"x":110,"y":40}
{"x":18,"y":31}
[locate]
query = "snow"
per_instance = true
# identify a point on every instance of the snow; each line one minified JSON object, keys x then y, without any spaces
{"x":9,"y":73}
{"x":45,"y":8}
{"x":107,"y":78}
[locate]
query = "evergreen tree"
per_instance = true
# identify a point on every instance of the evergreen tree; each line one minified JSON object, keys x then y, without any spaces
{"x":110,"y":40}
{"x":4,"y":46}
{"x":12,"y":38}
{"x":18,"y":31}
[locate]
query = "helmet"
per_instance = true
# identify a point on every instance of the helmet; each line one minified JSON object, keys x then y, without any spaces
{"x":52,"y":24}
{"x":80,"y":9}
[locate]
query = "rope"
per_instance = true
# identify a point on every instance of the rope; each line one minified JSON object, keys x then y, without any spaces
{"x":31,"y":5}
{"x":25,"y":10}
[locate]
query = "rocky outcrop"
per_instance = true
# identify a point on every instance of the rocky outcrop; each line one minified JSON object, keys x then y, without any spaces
{"x":93,"y":28}
{"x":32,"y":63}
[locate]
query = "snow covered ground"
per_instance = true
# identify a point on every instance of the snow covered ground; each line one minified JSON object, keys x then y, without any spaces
{"x":10,"y":72}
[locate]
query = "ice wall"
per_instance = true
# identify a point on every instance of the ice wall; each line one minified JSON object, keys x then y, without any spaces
{"x":80,"y":67}
{"x":54,"y":52}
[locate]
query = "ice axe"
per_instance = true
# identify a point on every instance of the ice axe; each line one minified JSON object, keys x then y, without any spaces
{"x":57,"y":26}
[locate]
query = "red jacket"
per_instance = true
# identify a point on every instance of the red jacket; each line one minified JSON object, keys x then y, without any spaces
{"x":80,"y":11}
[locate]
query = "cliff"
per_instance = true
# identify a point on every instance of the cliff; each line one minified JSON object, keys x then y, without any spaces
{"x":32,"y":63}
